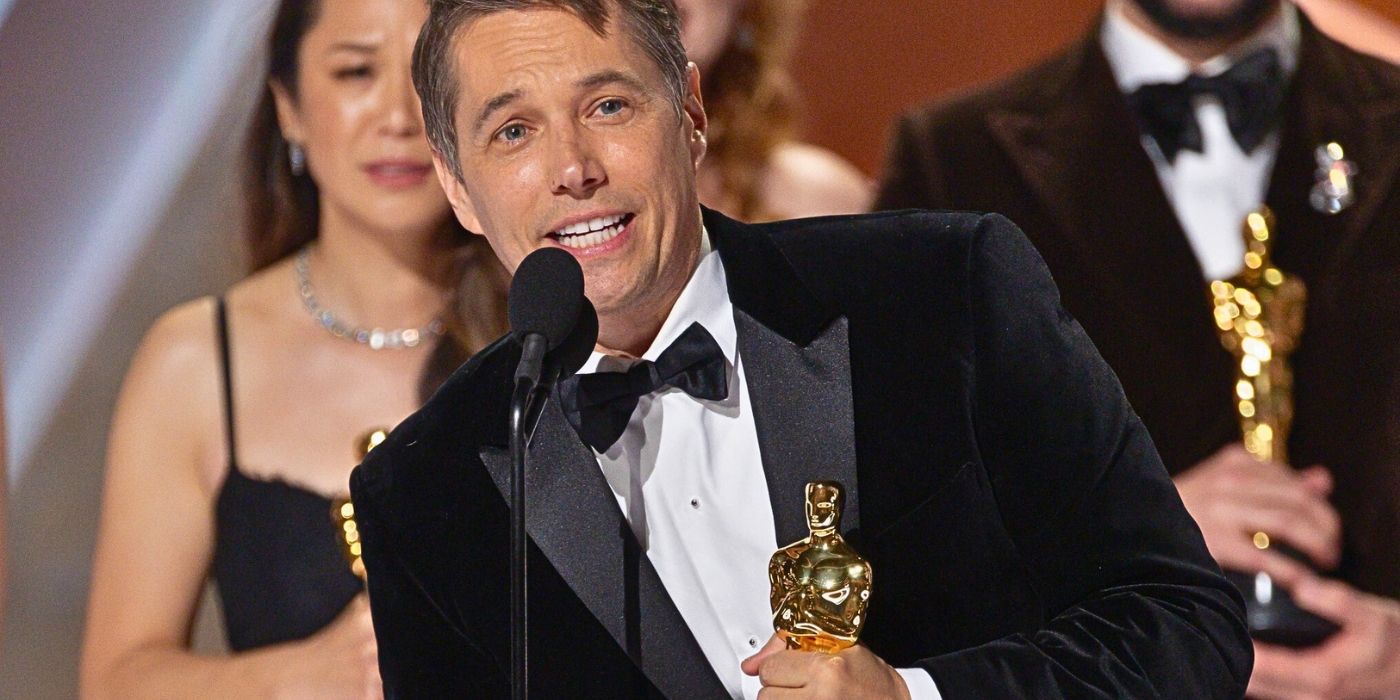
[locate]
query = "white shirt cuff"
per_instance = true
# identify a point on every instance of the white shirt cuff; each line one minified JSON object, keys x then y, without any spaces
{"x":920,"y":683}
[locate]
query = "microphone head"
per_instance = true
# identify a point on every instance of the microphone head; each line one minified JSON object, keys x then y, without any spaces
{"x":576,"y":348}
{"x":546,"y":295}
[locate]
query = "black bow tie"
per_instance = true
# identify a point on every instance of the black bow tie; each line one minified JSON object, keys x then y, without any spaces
{"x":600,"y":405}
{"x":1250,"y":91}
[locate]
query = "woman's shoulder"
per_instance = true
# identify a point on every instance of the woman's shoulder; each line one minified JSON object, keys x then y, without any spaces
{"x":803,"y":180}
{"x":169,"y":397}
{"x":181,"y":339}
{"x":184,"y":342}
{"x":174,"y":382}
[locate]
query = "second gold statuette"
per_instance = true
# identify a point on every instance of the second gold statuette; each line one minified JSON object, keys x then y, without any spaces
{"x":343,"y":511}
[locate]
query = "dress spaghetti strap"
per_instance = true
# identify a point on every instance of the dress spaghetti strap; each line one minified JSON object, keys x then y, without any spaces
{"x":277,"y":563}
{"x":226,"y":369}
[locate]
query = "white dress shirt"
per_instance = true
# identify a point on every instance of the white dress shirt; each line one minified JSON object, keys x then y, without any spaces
{"x":689,"y":478}
{"x":1213,"y":191}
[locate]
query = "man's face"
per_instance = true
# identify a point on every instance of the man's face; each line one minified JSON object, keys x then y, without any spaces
{"x":1207,"y":19}
{"x":571,"y":139}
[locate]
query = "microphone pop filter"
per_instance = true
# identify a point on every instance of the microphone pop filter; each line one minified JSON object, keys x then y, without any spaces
{"x":546,"y":295}
{"x":577,"y":347}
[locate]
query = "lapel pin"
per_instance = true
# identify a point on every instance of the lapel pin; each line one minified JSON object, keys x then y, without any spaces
{"x":1333,"y":190}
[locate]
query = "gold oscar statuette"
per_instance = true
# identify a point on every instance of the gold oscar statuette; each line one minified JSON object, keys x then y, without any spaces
{"x":820,"y":587}
{"x":1259,"y":314}
{"x":343,"y":511}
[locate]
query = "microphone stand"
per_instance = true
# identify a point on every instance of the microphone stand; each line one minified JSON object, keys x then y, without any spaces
{"x":526,"y":405}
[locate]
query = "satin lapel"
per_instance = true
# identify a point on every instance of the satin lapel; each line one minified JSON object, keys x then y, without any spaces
{"x":574,"y":520}
{"x":1326,"y":103}
{"x":802,"y":408}
{"x":1079,"y":149}
{"x":795,"y":350}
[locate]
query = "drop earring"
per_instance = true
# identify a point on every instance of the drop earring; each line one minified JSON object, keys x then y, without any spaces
{"x":296,"y":158}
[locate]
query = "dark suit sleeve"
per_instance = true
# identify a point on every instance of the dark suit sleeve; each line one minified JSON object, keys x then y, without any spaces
{"x":1136,"y":608}
{"x":421,"y":653}
{"x":911,"y":179}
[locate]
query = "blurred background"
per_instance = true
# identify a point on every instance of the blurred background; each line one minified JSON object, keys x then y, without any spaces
{"x":122,"y":122}
{"x":862,"y":63}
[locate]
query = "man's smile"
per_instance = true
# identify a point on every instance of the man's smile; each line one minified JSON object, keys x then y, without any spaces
{"x":593,"y":234}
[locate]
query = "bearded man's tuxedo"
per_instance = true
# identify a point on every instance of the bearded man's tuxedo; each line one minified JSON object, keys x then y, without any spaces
{"x":1057,"y":149}
{"x":1026,"y":539}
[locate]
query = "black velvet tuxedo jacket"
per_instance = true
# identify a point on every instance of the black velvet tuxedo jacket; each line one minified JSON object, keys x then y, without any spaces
{"x":1056,"y":150}
{"x":1025,"y":539}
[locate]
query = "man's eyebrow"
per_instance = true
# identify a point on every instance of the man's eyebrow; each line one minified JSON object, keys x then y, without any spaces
{"x":603,"y":77}
{"x":495,"y":104}
{"x":606,"y":77}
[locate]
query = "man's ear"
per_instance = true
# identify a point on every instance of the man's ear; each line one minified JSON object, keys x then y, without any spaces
{"x":288,"y":118}
{"x":694,"y":108}
{"x":457,"y":196}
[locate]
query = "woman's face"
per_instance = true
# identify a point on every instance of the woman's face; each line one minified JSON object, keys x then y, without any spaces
{"x":707,"y":27}
{"x":357,"y":117}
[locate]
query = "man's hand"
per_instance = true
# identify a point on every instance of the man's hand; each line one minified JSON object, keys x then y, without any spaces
{"x":1232,"y":495}
{"x":854,"y":673}
{"x":1362,"y":660}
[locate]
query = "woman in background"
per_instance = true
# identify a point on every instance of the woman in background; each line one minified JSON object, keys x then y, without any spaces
{"x":237,"y":422}
{"x":755,"y":169}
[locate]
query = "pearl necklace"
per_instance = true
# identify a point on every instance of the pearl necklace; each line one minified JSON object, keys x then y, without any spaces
{"x":375,"y":338}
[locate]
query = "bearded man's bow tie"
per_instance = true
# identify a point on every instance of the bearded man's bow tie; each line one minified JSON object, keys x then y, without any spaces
{"x":1251,"y":92}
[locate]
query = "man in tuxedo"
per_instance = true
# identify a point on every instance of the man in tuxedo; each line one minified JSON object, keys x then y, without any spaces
{"x":1131,"y":161}
{"x":1024,"y":538}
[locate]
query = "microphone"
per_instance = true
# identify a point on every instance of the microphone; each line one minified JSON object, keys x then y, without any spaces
{"x":546,"y":296}
{"x":556,"y":328}
{"x":562,"y":363}
{"x":577,"y":346}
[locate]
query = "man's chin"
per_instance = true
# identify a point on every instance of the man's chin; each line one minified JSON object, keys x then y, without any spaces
{"x":611,"y":304}
{"x":1239,"y":20}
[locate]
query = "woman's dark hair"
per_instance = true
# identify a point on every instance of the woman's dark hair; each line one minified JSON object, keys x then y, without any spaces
{"x":283,"y":210}
{"x":751,"y":101}
{"x":283,"y":214}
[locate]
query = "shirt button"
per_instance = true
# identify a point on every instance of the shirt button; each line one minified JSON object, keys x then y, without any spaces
{"x":695,"y":503}
{"x":753,"y":642}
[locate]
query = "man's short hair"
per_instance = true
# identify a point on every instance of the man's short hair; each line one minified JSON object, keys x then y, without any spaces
{"x":652,"y":24}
